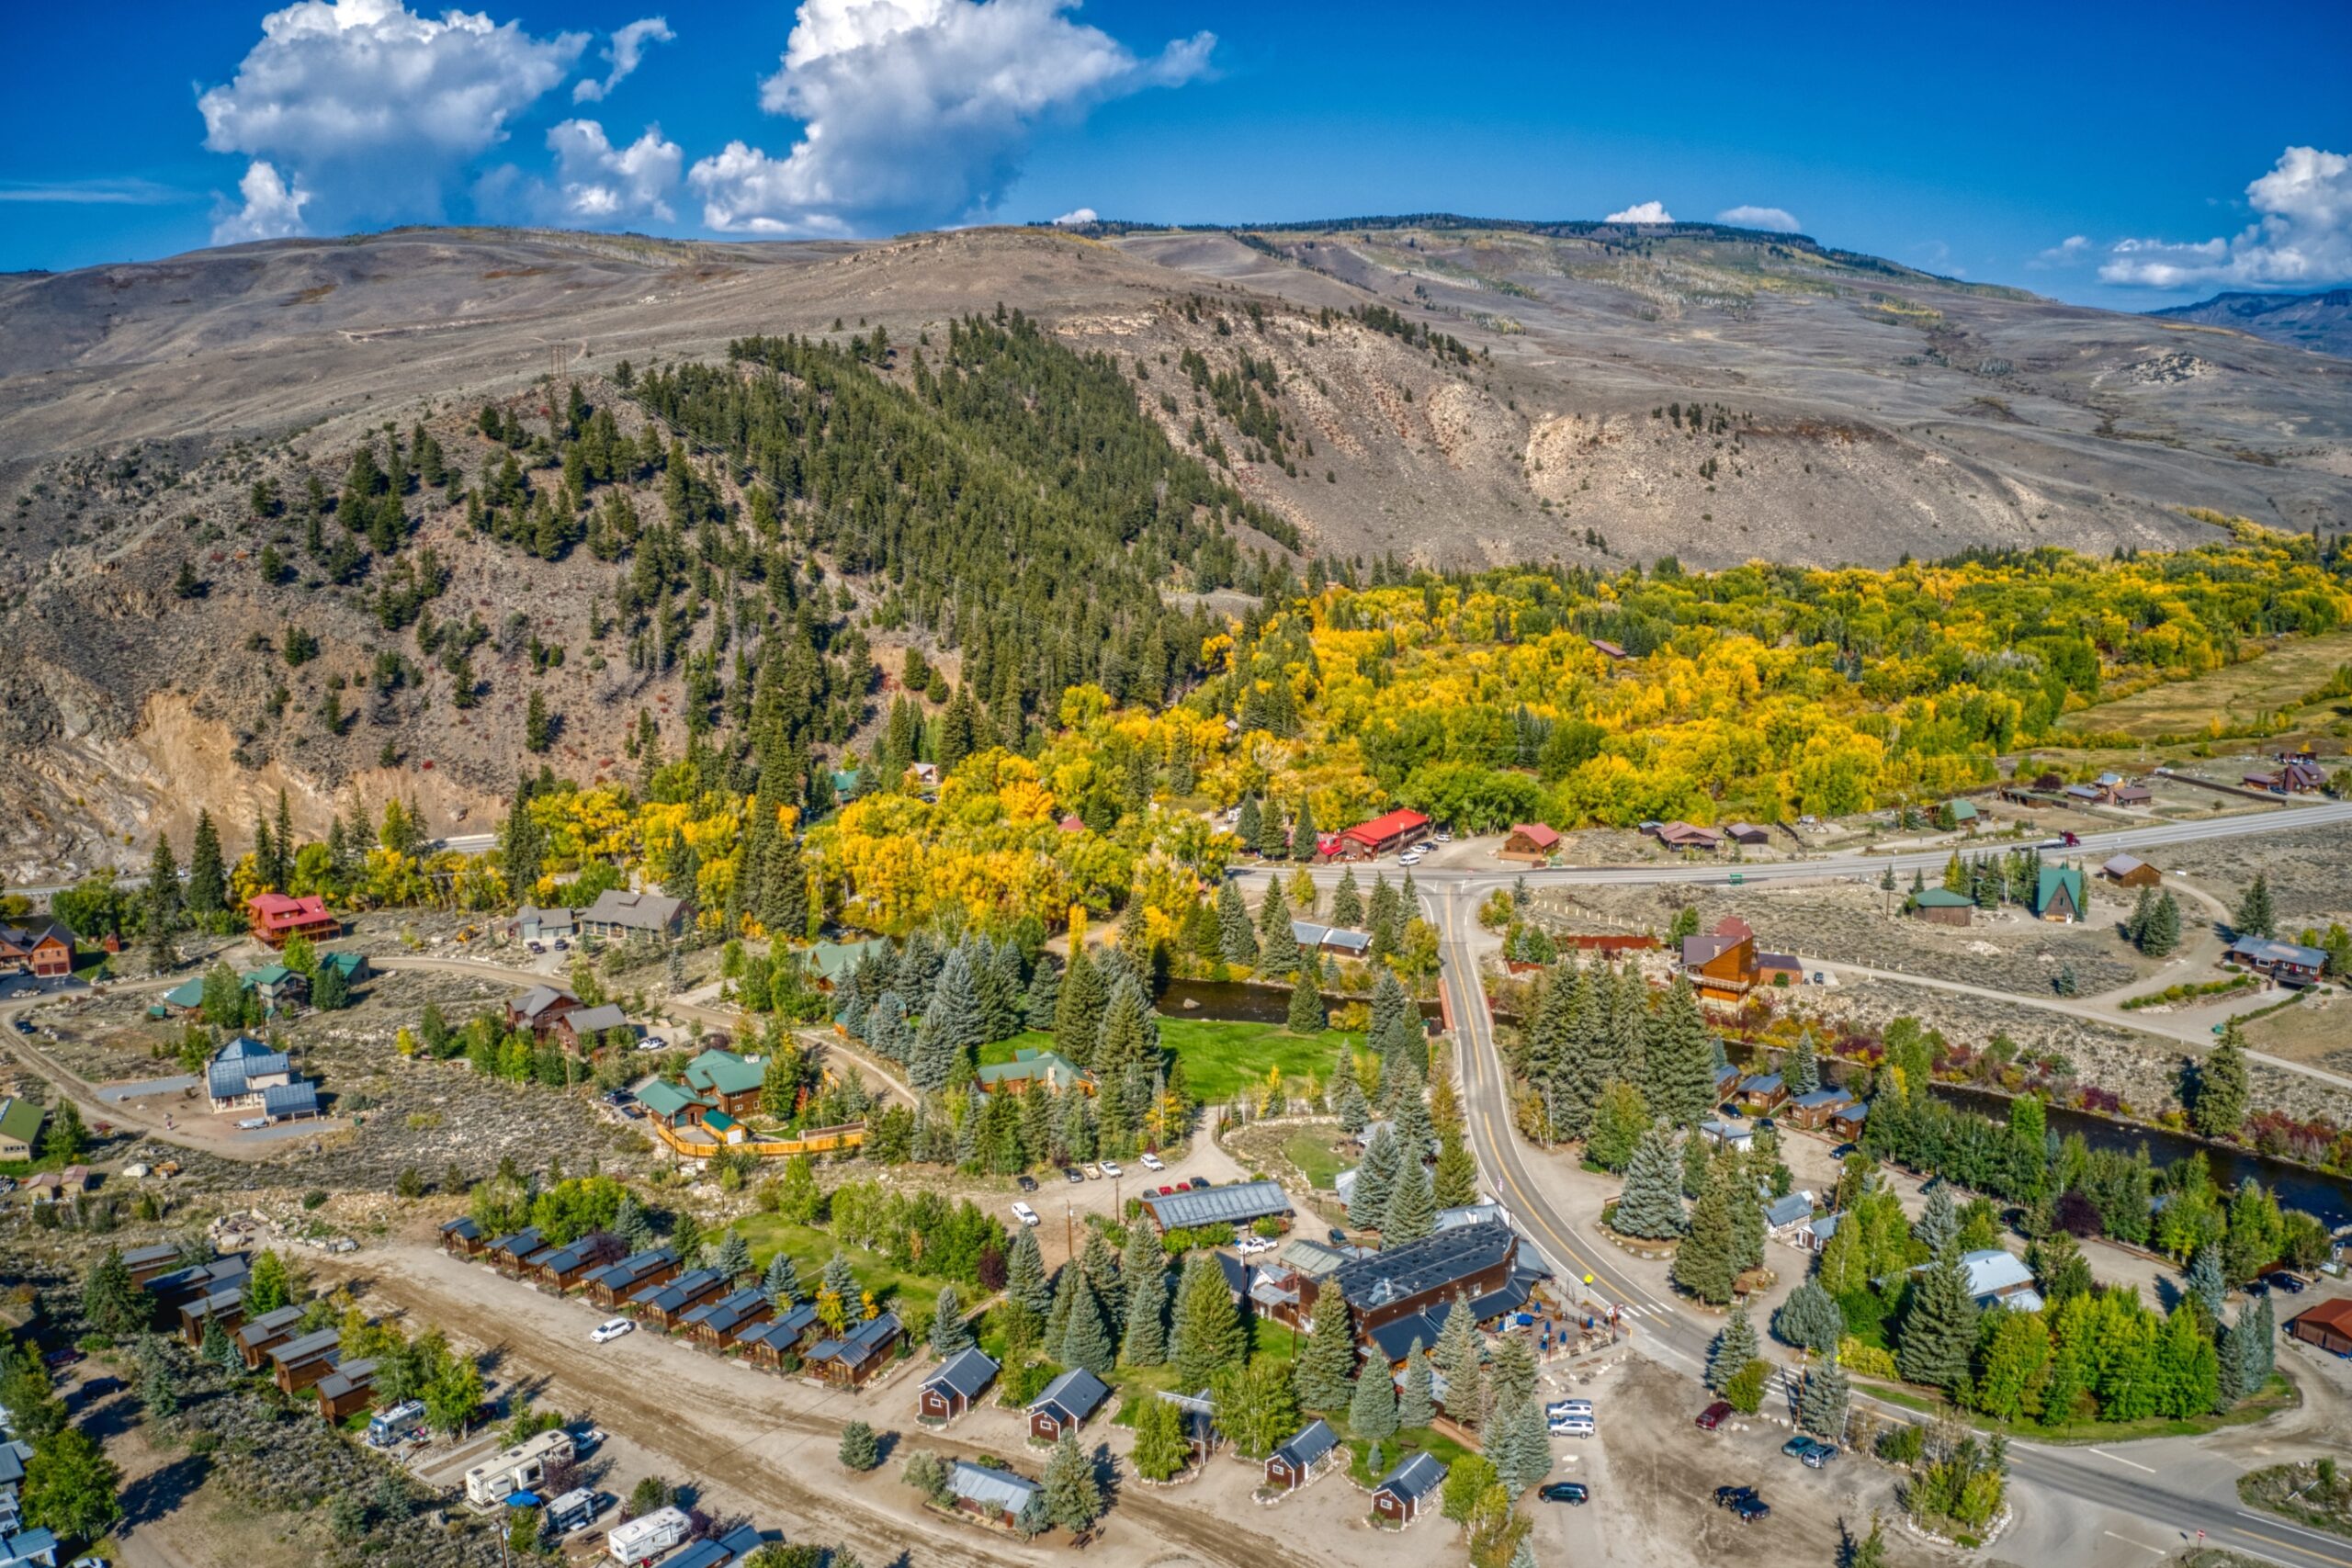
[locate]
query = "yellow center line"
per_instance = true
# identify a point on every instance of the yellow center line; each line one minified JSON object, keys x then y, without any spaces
{"x":2323,"y":1557}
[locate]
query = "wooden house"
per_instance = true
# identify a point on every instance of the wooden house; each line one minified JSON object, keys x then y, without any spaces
{"x":665,"y":1305}
{"x":2130,"y":871}
{"x":1942,"y":907}
{"x":1847,"y":1121}
{"x":275,"y":919}
{"x":226,"y":1306}
{"x":727,"y":1081}
{"x":564,"y":1267}
{"x":583,"y":1031}
{"x":780,"y":1340}
{"x":2328,"y":1325}
{"x":44,"y":949}
{"x":2288,"y":963}
{"x":347,"y":1390}
{"x":951,"y":1391}
{"x":1762,"y":1094}
{"x":1066,"y":1405}
{"x":715,"y":1325}
{"x":2059,"y":895}
{"x":997,"y":1495}
{"x":1681,"y":835}
{"x":1813,"y":1110}
{"x":1404,"y":1491}
{"x":537,"y":1008}
{"x":1401,"y":1281}
{"x":1530,"y":844}
{"x":298,"y":1363}
{"x":1030,"y":1065}
{"x":1722,"y":963}
{"x":144,"y":1263}
{"x":1747,"y":835}
{"x":616,"y":916}
{"x":1313,"y":1450}
{"x":614,"y":1283}
{"x":259,"y":1336}
{"x":848,"y":1361}
{"x":513,"y":1253}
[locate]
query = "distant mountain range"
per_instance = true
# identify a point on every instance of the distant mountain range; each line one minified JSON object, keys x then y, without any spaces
{"x":2322,"y":322}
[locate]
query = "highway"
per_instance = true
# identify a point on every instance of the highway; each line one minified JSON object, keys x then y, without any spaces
{"x":1680,"y":1338}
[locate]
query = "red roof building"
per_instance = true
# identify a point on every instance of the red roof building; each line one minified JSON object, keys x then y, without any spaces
{"x":277,"y":917}
{"x":1530,"y":841}
{"x":1382,"y":834}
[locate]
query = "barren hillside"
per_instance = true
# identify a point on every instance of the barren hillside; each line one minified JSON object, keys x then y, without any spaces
{"x":1454,"y":394}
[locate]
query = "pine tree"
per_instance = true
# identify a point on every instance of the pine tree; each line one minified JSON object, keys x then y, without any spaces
{"x":1707,"y":1262}
{"x":1073,"y":1497}
{"x":219,"y":1349}
{"x":2135,"y":925}
{"x":1303,"y":834}
{"x":1347,"y":901}
{"x":2162,"y":934}
{"x":1025,"y":1274}
{"x":1518,"y":1444}
{"x":2217,"y":1103}
{"x":1938,"y":1226}
{"x":1078,"y":1012}
{"x":1411,"y":1212}
{"x":1085,"y":1339}
{"x":1327,"y":1363}
{"x":1272,"y":841}
{"x":1803,"y":1069}
{"x":840,"y":1278}
{"x":1235,"y":941}
{"x":1822,"y":1404}
{"x":2205,"y":1284}
{"x":1734,"y":1346}
{"x":1938,"y":1327}
{"x":2255,"y":914}
{"x":734,"y":1257}
{"x":1650,"y":1205}
{"x":1681,"y":1083}
{"x":949,"y":1332}
{"x":1456,"y":1180}
{"x":860,"y":1449}
{"x":1041,"y":1006}
{"x":1810,"y":1319}
{"x":207,"y":876}
{"x":1376,"y":1177}
{"x":1417,"y":1405}
{"x":1307,"y":1015}
{"x":1208,"y":1331}
{"x":781,"y":1283}
{"x":1143,"y":1269}
{"x":635,"y":1231}
{"x":1372,"y":1408}
{"x":1246,"y":826}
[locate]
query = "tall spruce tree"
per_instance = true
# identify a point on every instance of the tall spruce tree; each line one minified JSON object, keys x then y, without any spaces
{"x":1208,"y":1335}
{"x":1143,"y":1271}
{"x":207,"y":872}
{"x":2219,"y":1086}
{"x":1416,"y":1403}
{"x":1822,"y":1404}
{"x":1680,"y":1053}
{"x":1307,"y":1015}
{"x":1078,"y":1012}
{"x":1650,"y":1204}
{"x":1372,"y":1410}
{"x":1938,"y":1328}
{"x":1086,"y":1336}
{"x":1347,"y":901}
{"x":1733,"y":1346}
{"x":2256,"y":916}
{"x":1327,"y":1363}
{"x":1411,"y":1212}
{"x":1235,"y":941}
{"x":1707,"y":1262}
{"x":1376,"y":1177}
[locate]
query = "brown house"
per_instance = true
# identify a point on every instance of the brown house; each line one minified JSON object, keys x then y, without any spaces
{"x":299,"y":1363}
{"x":1397,"y":1500}
{"x":1066,"y":1405}
{"x":565,"y":1267}
{"x":615,"y":1282}
{"x":1530,"y":841}
{"x":2128,"y":871}
{"x":780,"y":1340}
{"x":856,"y":1356}
{"x":952,"y":1389}
{"x":45,"y":950}
{"x":1813,"y":1111}
{"x":537,"y":1008}
{"x":349,"y":1388}
{"x":1302,"y":1458}
{"x":1398,"y":1282}
{"x":276,"y":919}
{"x":1722,"y":963}
{"x":257,"y":1339}
{"x":2328,"y":1326}
{"x":461,"y":1237}
{"x":715,"y":1325}
{"x":666,"y":1306}
{"x":227,"y":1306}
{"x":1942,"y":907}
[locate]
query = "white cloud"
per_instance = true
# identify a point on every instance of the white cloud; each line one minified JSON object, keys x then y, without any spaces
{"x":625,"y":51}
{"x":273,"y":208}
{"x":93,"y":193}
{"x":1779,"y":220}
{"x":372,"y":110}
{"x":916,"y":111}
{"x":596,"y":182}
{"x":1076,"y":217}
{"x":2072,"y":251}
{"x":2302,"y":235}
{"x":1642,"y":213}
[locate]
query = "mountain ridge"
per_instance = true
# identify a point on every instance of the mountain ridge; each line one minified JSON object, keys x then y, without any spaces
{"x":2320,"y":320}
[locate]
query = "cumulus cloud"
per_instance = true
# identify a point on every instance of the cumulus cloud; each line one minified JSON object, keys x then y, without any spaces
{"x":1779,"y":220}
{"x":915,"y":111}
{"x":2301,"y":237}
{"x":599,"y":183}
{"x":362,"y":109}
{"x":1076,"y":217}
{"x":272,"y":209}
{"x":2072,"y":251}
{"x":626,"y":52}
{"x":1642,"y":213}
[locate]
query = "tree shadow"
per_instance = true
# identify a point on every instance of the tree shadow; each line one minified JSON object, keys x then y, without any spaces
{"x":158,"y":1493}
{"x":2170,"y":1293}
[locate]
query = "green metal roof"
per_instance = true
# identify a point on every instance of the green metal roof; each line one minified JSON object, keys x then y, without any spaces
{"x":351,"y":964}
{"x":1055,"y":1070}
{"x":267,"y":975}
{"x":2054,"y":878}
{"x":834,"y":960}
{"x":1942,"y":898}
{"x":724,"y":1072}
{"x":1964,"y":811}
{"x":187,"y":994}
{"x":19,"y":1119}
{"x":663,"y":1098}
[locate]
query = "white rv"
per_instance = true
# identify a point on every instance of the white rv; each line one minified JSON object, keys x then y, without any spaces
{"x":641,"y":1541}
{"x":518,"y":1469}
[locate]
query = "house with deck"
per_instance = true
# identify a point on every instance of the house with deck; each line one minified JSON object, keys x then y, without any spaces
{"x":1340,"y":941}
{"x":584,"y":1031}
{"x":616,"y":916}
{"x":715,"y":1325}
{"x":665,"y":1305}
{"x":1399,"y":1283}
{"x":275,"y":919}
{"x":2288,"y":963}
{"x":1811,"y":1112}
{"x":561,"y":1267}
{"x":1680,"y":835}
{"x":241,"y":1071}
{"x":1529,"y":843}
{"x":1722,"y":963}
{"x":462,"y":1238}
{"x":1030,"y":1065}
{"x":726,"y":1080}
{"x":537,"y":1008}
{"x":615,"y":1282}
{"x":781,"y":1340}
{"x":1381,"y":835}
{"x":43,"y":949}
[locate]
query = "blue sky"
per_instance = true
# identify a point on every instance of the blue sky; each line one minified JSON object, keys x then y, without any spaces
{"x":2122,"y":161}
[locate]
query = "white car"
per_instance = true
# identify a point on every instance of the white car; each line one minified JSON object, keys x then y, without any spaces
{"x":1443,"y":836}
{"x":1024,"y":1213}
{"x":612,"y":1329}
{"x":1572,"y":1426}
{"x":1153,"y":1162}
{"x":1560,"y":1407}
{"x":1113,"y":1171}
{"x":654,"y":1043}
{"x":252,"y":1124}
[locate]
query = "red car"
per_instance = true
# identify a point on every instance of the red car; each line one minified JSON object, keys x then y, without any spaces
{"x":1713,"y":1415}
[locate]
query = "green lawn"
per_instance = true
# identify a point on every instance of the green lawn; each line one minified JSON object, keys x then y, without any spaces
{"x":2282,"y":1394}
{"x":1309,"y":1149}
{"x":1396,"y":1449}
{"x":1221,"y":1058}
{"x":812,"y":1248}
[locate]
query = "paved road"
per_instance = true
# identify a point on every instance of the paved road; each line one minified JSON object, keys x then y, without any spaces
{"x":1681,"y":1337}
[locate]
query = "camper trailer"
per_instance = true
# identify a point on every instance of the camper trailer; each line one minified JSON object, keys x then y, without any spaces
{"x":572,"y":1511}
{"x":388,"y":1427}
{"x":514,"y":1470}
{"x":641,"y":1541}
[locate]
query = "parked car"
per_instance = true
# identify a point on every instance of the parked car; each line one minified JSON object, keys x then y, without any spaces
{"x":252,"y":1124}
{"x":1744,"y":1502}
{"x":1572,"y":1426}
{"x":1799,"y":1446}
{"x":1713,"y":1415}
{"x":1111,"y":1170}
{"x":1072,"y":1175}
{"x":1560,"y":1407}
{"x":654,"y":1043}
{"x":2279,"y":1280}
{"x":1093,"y":1171}
{"x":1153,"y":1162}
{"x":1820,"y":1456}
{"x":1026,"y":1183}
{"x":612,"y":1329}
{"x":1566,"y":1491}
{"x":1338,"y":1237}
{"x":1024,"y":1213}
{"x":57,"y":1359}
{"x":1198,"y":1183}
